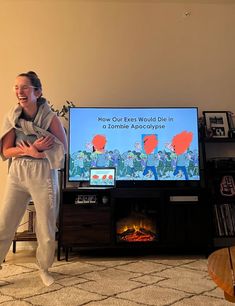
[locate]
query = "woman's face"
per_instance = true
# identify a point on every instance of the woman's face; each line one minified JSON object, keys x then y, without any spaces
{"x":25,"y":92}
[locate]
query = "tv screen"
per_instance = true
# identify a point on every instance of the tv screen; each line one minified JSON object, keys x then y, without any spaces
{"x":144,"y":144}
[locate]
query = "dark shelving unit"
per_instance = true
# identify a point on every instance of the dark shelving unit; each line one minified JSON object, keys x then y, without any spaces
{"x":221,"y":207}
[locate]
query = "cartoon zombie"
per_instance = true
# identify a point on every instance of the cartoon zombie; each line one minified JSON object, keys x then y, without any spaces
{"x":150,"y":144}
{"x":99,"y":142}
{"x":180,"y":144}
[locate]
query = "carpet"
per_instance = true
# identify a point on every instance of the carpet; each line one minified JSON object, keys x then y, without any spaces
{"x":94,"y":280}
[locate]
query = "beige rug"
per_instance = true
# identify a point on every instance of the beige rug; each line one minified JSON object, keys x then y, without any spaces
{"x":107,"y":280}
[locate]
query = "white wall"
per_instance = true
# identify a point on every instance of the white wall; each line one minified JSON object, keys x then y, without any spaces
{"x":133,"y":53}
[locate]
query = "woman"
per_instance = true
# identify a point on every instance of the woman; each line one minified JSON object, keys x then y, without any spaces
{"x":34,"y":139}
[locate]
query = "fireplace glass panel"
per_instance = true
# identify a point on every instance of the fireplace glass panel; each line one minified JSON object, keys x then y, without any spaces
{"x":137,"y":220}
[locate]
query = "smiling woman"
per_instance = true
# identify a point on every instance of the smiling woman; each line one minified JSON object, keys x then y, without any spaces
{"x":34,"y":138}
{"x":28,"y":90}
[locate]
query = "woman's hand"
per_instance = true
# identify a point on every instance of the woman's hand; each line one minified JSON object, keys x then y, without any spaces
{"x":44,"y":143}
{"x":28,"y":149}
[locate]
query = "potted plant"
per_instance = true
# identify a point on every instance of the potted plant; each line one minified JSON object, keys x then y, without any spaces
{"x":63,"y":112}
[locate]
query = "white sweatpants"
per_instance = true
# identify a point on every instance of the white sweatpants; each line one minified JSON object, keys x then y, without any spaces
{"x":30,"y":179}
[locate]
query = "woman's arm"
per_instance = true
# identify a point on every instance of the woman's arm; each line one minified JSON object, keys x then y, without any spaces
{"x":9,"y":149}
{"x":57,"y":129}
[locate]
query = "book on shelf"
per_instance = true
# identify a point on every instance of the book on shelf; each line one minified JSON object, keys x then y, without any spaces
{"x":217,"y":222}
{"x":224,"y":219}
{"x":228,"y":216}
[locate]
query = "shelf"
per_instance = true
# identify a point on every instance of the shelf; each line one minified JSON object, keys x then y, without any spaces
{"x":225,"y":200}
{"x":218,"y":140}
{"x":224,"y":241}
{"x":23,"y":236}
{"x":222,"y":172}
{"x":219,"y":165}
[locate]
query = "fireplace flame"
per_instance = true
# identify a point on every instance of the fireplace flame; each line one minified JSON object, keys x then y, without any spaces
{"x":134,"y":230}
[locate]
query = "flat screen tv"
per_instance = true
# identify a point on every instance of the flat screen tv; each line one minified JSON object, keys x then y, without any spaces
{"x":147,"y":146}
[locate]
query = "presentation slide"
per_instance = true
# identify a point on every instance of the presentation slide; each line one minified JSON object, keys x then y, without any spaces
{"x":141,"y":143}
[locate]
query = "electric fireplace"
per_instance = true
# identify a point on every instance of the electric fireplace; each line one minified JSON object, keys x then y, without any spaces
{"x":137,"y":221}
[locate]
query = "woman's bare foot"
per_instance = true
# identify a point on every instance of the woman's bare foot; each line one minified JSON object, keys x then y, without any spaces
{"x":47,"y":279}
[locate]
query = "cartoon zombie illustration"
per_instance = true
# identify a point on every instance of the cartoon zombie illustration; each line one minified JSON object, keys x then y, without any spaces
{"x":180,"y":144}
{"x":99,"y":142}
{"x":89,"y":147}
{"x":193,"y":164}
{"x":128,"y":158}
{"x":150,"y":143}
{"x":161,"y":163}
{"x":168,"y":167}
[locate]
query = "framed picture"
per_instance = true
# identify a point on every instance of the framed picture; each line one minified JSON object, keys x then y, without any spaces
{"x":216,"y":124}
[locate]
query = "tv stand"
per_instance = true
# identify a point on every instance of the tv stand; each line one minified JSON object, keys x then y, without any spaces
{"x":171,"y":218}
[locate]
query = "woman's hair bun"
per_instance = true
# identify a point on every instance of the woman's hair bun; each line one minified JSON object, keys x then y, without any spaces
{"x":32,"y":73}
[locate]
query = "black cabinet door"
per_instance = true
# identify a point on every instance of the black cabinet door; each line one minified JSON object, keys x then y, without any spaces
{"x":85,"y":225}
{"x":186,"y":226}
